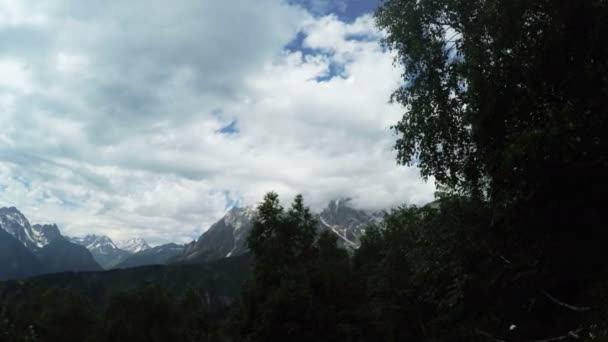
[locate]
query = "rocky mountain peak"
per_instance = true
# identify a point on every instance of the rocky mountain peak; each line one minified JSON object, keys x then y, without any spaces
{"x":46,"y":233}
{"x":104,"y":250}
{"x":133,"y":245}
{"x":239,"y":217}
{"x":346,"y":222}
{"x":16,"y":224}
{"x":228,"y":236}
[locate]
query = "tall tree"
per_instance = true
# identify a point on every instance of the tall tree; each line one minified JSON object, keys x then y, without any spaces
{"x":504,"y":99}
{"x":277,"y":305}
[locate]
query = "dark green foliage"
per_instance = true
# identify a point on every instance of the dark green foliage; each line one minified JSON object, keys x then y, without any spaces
{"x":141,"y":315}
{"x":300,"y":289}
{"x":195,"y":325}
{"x":54,"y":315}
{"x":505,"y":98}
{"x":174,"y":303}
{"x":443,"y":274}
{"x":145,"y":314}
{"x":505,"y":103}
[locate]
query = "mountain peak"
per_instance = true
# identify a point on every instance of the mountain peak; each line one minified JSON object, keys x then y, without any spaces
{"x":46,"y":233}
{"x":16,"y":224}
{"x":105,"y":252}
{"x":339,"y":203}
{"x":238,"y":217}
{"x":95,"y":242}
{"x":133,"y":245}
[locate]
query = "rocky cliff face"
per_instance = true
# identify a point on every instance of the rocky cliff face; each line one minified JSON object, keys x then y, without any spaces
{"x":17,"y":225}
{"x":225,"y":238}
{"x":346,"y":222}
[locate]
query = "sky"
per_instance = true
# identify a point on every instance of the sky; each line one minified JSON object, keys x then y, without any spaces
{"x":150,"y":118}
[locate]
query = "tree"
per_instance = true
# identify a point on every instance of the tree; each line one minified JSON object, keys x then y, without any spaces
{"x":302,"y":288}
{"x":277,"y":305}
{"x":192,"y":310}
{"x":506,"y":102}
{"x":504,"y":99}
{"x":144,"y":314}
{"x":335,"y":295}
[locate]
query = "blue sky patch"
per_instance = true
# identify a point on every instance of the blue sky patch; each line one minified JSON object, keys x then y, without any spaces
{"x":69,"y":204}
{"x":230,"y":202}
{"x":25,"y":182}
{"x":231,"y":128}
{"x":43,"y":197}
{"x":334,"y":70}
{"x":345,"y":10}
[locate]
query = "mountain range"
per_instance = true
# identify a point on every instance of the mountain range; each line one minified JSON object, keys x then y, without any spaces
{"x":228,"y":237}
{"x":27,"y":250}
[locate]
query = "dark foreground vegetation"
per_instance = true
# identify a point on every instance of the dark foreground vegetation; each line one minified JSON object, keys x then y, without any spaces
{"x":506,"y":109}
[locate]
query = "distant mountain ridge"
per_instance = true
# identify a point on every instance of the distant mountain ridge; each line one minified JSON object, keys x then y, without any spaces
{"x":104,"y":250}
{"x":56,"y":255}
{"x":346,"y":222}
{"x":159,"y":255}
{"x":133,"y":245}
{"x":225,"y":238}
{"x":27,"y":250}
{"x":228,"y":236}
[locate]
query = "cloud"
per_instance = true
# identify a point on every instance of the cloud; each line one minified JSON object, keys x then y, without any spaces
{"x":145,"y":118}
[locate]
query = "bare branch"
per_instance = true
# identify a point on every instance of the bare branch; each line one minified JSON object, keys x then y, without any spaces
{"x":489,"y":336}
{"x":575,"y":334}
{"x":566,"y":305}
{"x":506,"y":260}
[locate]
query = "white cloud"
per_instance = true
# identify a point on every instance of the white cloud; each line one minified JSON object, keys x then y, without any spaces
{"x":111,"y":117}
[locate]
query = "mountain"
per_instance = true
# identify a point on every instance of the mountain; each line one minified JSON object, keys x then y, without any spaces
{"x":16,"y":261}
{"x":105,"y":252}
{"x":159,"y":255}
{"x":46,"y":233}
{"x":133,"y":245}
{"x":16,"y":224}
{"x":225,"y":238}
{"x":62,"y":255}
{"x":27,"y":250}
{"x":346,"y":222}
{"x":228,"y":236}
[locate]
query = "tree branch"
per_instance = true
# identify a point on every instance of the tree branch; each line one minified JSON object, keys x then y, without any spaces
{"x":571,"y":334}
{"x":489,"y":336}
{"x":566,"y":305}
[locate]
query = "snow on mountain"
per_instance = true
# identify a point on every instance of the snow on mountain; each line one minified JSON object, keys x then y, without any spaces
{"x":46,"y":233}
{"x":104,"y":250}
{"x":39,"y":249}
{"x":228,"y":236}
{"x":93,"y":242}
{"x":34,"y":238}
{"x":159,"y":255}
{"x":225,"y":238}
{"x":133,"y":245}
{"x":347,"y":222}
